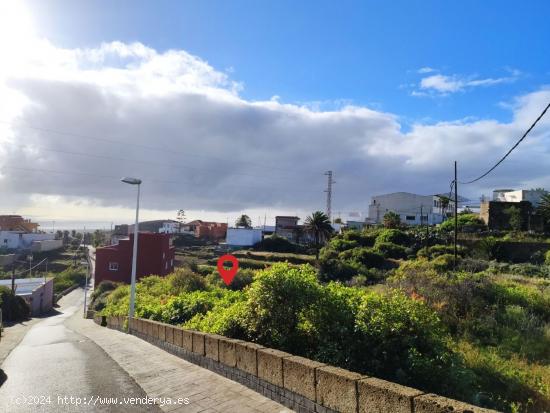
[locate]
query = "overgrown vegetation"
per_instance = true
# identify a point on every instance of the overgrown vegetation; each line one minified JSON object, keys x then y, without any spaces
{"x":14,"y":308}
{"x":69,"y":278}
{"x":383,"y":302}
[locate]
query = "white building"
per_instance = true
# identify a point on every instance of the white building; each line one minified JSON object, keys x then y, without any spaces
{"x":410,"y":208}
{"x":170,"y":227}
{"x":19,"y":240}
{"x":37,"y":292}
{"x":243,"y":237}
{"x":510,"y":195}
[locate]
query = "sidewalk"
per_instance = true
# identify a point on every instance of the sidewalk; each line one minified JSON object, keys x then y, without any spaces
{"x":164,"y":375}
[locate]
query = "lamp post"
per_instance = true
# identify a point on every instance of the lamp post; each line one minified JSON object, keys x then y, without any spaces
{"x":87,"y":264}
{"x":134,"y":181}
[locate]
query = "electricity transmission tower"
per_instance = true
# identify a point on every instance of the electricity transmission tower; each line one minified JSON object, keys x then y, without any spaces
{"x":329,"y":193}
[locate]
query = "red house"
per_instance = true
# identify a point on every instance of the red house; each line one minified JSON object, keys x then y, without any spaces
{"x":155,"y":257}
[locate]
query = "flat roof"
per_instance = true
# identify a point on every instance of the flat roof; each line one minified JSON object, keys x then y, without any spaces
{"x":25,"y":286}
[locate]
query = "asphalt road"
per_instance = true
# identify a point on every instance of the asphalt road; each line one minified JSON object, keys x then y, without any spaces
{"x":53,"y":363}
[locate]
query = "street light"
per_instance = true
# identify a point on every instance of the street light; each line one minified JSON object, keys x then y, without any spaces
{"x":134,"y":181}
{"x":86,"y":263}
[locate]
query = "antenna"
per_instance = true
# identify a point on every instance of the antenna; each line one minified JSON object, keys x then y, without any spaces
{"x":329,"y":193}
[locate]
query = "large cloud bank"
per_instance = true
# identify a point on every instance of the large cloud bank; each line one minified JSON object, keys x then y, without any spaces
{"x":73,"y":120}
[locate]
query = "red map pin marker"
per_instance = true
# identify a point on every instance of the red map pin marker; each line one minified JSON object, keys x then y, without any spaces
{"x":228,"y":275}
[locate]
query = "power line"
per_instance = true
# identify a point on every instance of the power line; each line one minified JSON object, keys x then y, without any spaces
{"x":116,"y":158}
{"x":161,"y":181}
{"x":510,"y":151}
{"x":150,"y":147}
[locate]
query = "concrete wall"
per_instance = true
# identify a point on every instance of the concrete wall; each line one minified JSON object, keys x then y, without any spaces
{"x":41,"y":299}
{"x":47,"y":245}
{"x":6,"y":259}
{"x":300,"y":384}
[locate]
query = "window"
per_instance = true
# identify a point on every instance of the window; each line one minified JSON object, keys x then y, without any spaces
{"x":5,"y":241}
{"x":166,"y":266}
{"x":410,"y":218}
{"x":163,"y":255}
{"x":172,"y":262}
{"x":113,"y":266}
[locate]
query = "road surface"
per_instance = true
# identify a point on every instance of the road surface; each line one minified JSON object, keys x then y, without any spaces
{"x":53,"y":363}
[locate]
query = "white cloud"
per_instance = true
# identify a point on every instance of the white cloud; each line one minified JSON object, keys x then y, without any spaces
{"x":426,"y":69}
{"x":443,"y":85}
{"x":181,"y":125}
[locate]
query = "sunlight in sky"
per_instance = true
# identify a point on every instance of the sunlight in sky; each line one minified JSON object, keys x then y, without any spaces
{"x":16,"y":26}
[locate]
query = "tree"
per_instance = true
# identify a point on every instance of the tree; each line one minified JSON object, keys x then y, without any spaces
{"x":318,"y":224}
{"x":338,"y":221}
{"x":180,"y":217}
{"x":444,"y":202}
{"x":544,"y":209}
{"x":514,"y":218}
{"x":392,"y":220}
{"x":244,"y":221}
{"x":98,"y":238}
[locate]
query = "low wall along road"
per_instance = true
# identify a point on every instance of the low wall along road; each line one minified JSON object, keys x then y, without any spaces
{"x":300,"y":384}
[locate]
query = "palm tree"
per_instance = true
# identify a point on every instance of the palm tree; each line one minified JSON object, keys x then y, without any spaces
{"x":318,"y":224}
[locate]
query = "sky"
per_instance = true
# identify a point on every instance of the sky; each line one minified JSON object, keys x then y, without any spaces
{"x":223,"y":108}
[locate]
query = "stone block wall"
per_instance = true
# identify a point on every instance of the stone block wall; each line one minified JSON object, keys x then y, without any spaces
{"x":303,"y":385}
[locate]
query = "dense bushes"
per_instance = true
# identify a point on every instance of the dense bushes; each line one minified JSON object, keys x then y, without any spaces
{"x":278,"y":244}
{"x":395,"y":236}
{"x":68,"y":278}
{"x":478,"y":333}
{"x":14,"y":308}
{"x":437,"y":250}
{"x":466,"y":223}
{"x":390,"y":250}
{"x":503,"y":320}
{"x":99,"y":296}
{"x":389,"y":335}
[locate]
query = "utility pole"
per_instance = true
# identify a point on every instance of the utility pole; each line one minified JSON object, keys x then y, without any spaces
{"x":456,"y":218}
{"x":329,"y":194}
{"x":13,"y":278}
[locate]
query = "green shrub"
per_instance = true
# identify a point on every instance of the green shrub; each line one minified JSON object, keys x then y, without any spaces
{"x":339,"y":244}
{"x":394,"y":236}
{"x":182,"y":308}
{"x":443,"y":262}
{"x":99,"y":296}
{"x":403,"y":339}
{"x":227,"y":321}
{"x":278,"y":244}
{"x":242,"y":279}
{"x":389,"y":250}
{"x":14,"y":308}
{"x":472,"y":265}
{"x":332,"y":269}
{"x":547,"y":257}
{"x":466,"y":223}
{"x":363,"y":256}
{"x":437,"y":250}
{"x":277,"y":300}
{"x":185,"y":280}
{"x":68,"y":278}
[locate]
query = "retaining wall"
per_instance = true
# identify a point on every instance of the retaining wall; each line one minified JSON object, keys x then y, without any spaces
{"x":303,"y":385}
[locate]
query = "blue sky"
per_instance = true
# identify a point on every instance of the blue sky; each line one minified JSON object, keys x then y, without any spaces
{"x":363,"y":52}
{"x":230,"y":107}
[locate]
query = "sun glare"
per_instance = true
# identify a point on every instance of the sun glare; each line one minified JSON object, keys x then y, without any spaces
{"x":16,"y":27}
